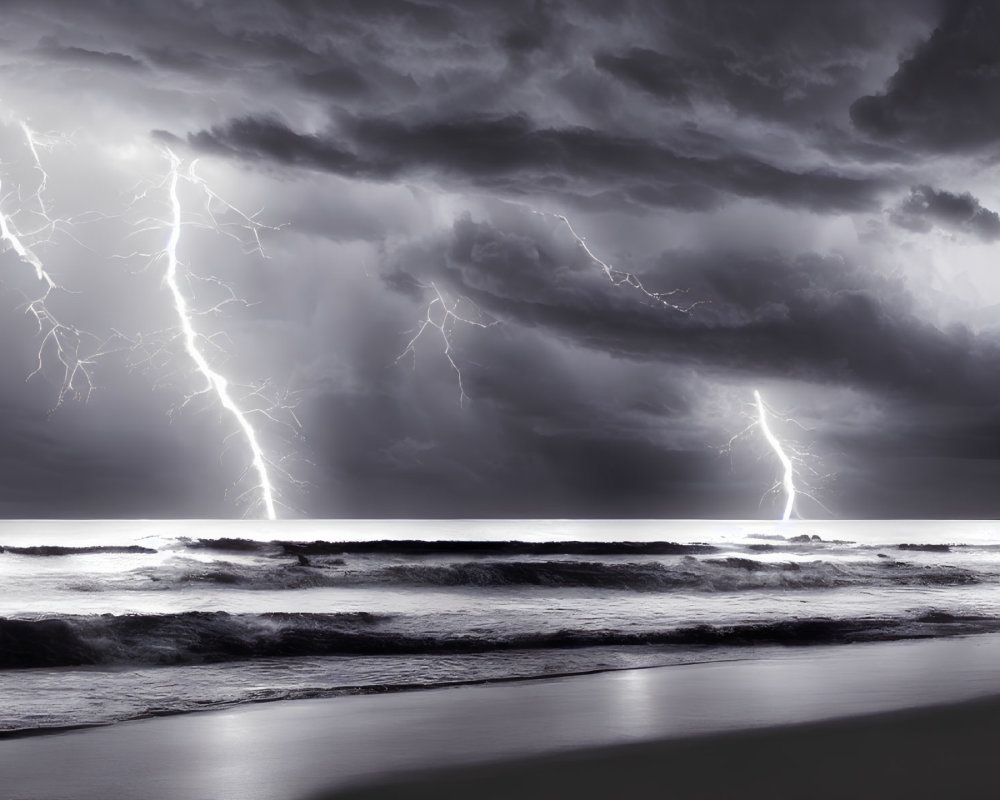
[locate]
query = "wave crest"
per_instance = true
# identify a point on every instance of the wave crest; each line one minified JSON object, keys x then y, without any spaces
{"x":689,"y":574}
{"x":211,"y":637}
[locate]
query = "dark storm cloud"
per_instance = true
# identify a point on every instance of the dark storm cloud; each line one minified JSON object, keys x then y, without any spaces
{"x":49,"y":48}
{"x":450,"y":63}
{"x":467,"y":115}
{"x":512,"y":155}
{"x":962,"y":213}
{"x":766,"y":316}
{"x":340,"y":79}
{"x":238,"y":35}
{"x":810,"y":317}
{"x":946,"y":95}
{"x":336,"y":81}
{"x":212,"y":51}
{"x":271,"y":139}
{"x":531,"y":31}
{"x":665,"y":76}
{"x":421,"y":18}
{"x":781,"y":58}
{"x":775,"y":58}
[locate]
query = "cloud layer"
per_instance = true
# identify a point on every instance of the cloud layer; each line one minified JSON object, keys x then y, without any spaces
{"x":809,"y":186}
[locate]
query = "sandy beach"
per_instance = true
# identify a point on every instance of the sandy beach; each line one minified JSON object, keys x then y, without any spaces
{"x":930,"y":753}
{"x":713,"y":728}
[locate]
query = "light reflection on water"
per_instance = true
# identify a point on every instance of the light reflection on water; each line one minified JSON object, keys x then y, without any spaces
{"x":96,"y":532}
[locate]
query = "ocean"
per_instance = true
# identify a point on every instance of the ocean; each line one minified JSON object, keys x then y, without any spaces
{"x":106,"y":621}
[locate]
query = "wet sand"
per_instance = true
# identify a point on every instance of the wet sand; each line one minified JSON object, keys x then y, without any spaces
{"x":945,"y":752}
{"x":708,"y":730}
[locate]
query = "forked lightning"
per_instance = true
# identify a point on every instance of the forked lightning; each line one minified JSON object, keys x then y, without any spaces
{"x":442,"y":316}
{"x":214,"y":381}
{"x":64,"y":341}
{"x":788,"y":471}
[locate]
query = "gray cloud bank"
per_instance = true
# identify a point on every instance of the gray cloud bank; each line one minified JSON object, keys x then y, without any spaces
{"x":748,"y":155}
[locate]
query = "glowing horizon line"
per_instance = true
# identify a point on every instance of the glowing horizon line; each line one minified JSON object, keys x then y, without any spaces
{"x":216,"y":381}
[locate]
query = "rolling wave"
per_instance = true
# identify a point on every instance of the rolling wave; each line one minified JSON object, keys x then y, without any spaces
{"x":413,"y":547}
{"x":62,"y":550}
{"x":688,"y":574}
{"x":213,"y":637}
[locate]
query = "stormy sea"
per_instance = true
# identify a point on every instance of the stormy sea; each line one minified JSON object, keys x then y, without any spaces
{"x":106,"y":621}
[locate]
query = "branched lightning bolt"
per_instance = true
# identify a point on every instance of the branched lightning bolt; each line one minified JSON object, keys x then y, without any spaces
{"x":449,"y":317}
{"x":261,"y":401}
{"x":27,"y":224}
{"x":214,"y":381}
{"x":64,"y":340}
{"x":34,"y":143}
{"x":788,"y":471}
{"x":620,"y":277}
{"x":796,"y":461}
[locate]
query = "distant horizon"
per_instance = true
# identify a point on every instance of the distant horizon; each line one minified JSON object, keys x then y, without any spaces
{"x":90,"y":532}
{"x":280,"y":519}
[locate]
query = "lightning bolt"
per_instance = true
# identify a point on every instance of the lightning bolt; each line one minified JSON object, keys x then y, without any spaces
{"x":797,"y":462}
{"x":620,"y":277}
{"x":242,"y":404}
{"x":788,"y":476}
{"x":27,"y":224}
{"x":215,"y":382}
{"x":788,"y":463}
{"x":449,"y":317}
{"x":33,"y":145}
{"x":66,"y":341}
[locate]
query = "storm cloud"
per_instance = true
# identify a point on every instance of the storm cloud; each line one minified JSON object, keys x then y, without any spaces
{"x":943,"y":96}
{"x":962,"y":213}
{"x":520,"y":259}
{"x":511,"y":156}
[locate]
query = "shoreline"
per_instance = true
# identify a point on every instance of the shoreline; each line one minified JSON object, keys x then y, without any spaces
{"x":298,"y":748}
{"x":347,"y":691}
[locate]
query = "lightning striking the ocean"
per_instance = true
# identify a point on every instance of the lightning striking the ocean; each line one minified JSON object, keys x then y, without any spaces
{"x":790,"y":457}
{"x":27,"y":225}
{"x":799,"y":465}
{"x":214,"y":381}
{"x":788,"y":471}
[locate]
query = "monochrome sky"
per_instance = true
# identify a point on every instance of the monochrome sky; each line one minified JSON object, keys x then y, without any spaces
{"x":817,"y":182}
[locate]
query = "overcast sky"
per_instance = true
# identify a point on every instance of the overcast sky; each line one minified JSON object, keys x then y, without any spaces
{"x":816,"y":181}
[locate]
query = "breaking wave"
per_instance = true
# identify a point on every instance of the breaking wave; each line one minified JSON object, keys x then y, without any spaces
{"x":213,"y":637}
{"x":413,"y":547}
{"x":688,"y":574}
{"x":61,"y":550}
